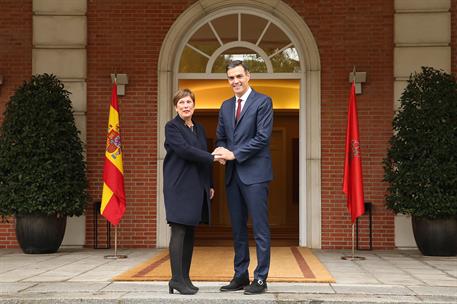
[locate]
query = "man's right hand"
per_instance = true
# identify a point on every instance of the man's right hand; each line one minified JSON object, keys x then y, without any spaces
{"x":224,"y":153}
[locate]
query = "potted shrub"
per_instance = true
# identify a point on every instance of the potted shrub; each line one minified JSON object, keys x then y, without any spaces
{"x":421,"y":163}
{"x":42,"y":167}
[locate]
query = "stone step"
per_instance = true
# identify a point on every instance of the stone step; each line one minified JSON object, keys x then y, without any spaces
{"x":157,"y":292}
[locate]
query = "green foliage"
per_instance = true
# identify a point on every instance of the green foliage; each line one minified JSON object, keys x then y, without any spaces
{"x":42,"y":168}
{"x":421,"y":163}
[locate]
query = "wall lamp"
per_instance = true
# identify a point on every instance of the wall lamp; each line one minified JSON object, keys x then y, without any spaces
{"x":360,"y":77}
{"x":122,"y":80}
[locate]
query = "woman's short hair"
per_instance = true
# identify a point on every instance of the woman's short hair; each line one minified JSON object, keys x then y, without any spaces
{"x":181,"y":93}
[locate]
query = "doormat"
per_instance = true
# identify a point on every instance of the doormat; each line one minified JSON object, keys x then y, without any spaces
{"x":287,"y":264}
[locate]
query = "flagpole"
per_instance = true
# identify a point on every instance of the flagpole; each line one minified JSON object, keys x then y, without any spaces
{"x":115,"y":239}
{"x":115,"y":256}
{"x":353,"y":251}
{"x":113,"y":197}
{"x":353,"y":257}
{"x":353,"y":74}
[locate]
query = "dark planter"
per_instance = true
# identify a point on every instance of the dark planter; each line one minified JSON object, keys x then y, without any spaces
{"x":40,"y":233}
{"x":436,"y":237}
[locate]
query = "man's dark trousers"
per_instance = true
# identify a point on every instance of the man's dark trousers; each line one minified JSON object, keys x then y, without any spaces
{"x":250,"y":200}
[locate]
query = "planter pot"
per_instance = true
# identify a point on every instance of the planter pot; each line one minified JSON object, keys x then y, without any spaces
{"x":436,"y":237}
{"x":40,"y":233}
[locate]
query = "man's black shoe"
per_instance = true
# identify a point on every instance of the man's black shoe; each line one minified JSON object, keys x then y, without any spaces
{"x":256,"y":287}
{"x":236,"y":284}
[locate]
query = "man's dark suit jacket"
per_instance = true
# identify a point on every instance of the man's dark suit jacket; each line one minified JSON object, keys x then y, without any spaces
{"x":248,"y":139}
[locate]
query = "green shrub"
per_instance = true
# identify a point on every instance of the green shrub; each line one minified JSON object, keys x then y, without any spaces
{"x":421,"y":163}
{"x":42,"y":167}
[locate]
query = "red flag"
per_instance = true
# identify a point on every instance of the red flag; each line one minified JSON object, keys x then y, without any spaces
{"x":353,"y":179}
{"x":113,"y":197}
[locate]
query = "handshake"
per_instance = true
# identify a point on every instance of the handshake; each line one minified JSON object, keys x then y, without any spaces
{"x":222,"y":154}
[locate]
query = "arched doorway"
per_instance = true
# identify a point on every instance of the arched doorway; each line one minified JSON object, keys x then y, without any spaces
{"x":280,"y":49}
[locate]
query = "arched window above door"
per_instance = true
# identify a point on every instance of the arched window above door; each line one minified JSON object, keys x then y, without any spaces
{"x":263,"y":45}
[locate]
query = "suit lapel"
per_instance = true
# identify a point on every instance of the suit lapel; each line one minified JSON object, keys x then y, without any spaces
{"x":247,"y":104}
{"x":232,"y":113}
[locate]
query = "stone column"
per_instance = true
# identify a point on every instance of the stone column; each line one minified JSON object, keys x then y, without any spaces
{"x":422,"y":38}
{"x":59,"y":47}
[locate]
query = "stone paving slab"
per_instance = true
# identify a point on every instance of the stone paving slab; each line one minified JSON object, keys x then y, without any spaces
{"x":67,"y":287}
{"x":372,"y":289}
{"x":438,"y":299}
{"x":66,"y":298}
{"x":429,"y":290}
{"x":6,"y":288}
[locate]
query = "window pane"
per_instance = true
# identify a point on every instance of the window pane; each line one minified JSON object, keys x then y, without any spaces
{"x":226,"y":27}
{"x":252,"y":27}
{"x":273,"y":40}
{"x":204,"y":40}
{"x":255,"y":63}
{"x":286,"y":62}
{"x":192,"y":61}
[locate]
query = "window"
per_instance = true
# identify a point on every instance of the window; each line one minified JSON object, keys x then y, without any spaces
{"x":257,"y":41}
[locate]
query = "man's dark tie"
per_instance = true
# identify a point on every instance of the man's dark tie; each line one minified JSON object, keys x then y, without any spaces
{"x":238,"y":110}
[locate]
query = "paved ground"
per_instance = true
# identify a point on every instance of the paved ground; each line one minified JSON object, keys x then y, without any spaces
{"x":84,"y":276}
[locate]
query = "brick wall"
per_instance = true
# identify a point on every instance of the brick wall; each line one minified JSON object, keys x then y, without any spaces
{"x":352,"y":33}
{"x":364,"y":37}
{"x":15,"y":67}
{"x":125,"y":37}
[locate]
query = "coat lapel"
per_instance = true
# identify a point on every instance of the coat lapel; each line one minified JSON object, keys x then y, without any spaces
{"x":188,"y":135}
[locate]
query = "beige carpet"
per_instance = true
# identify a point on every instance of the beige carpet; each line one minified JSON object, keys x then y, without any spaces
{"x":288,"y":264}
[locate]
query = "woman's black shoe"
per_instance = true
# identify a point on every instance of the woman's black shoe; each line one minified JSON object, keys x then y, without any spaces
{"x":190,"y":284}
{"x":181,"y":287}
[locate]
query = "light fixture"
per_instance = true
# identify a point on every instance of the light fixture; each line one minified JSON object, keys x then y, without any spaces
{"x":360,"y":77}
{"x":121,"y":80}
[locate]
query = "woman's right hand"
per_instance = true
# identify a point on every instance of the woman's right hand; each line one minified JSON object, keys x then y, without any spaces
{"x":219,"y":159}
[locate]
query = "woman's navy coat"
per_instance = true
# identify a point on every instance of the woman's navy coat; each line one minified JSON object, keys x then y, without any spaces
{"x":186,"y":173}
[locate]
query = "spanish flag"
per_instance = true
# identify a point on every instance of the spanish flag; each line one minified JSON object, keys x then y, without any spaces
{"x":113,"y":197}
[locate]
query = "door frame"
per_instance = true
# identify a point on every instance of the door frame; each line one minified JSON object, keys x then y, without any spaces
{"x":310,"y":96}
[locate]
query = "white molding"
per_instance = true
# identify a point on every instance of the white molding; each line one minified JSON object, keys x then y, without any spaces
{"x":253,"y":76}
{"x":301,"y":36}
{"x":244,"y":44}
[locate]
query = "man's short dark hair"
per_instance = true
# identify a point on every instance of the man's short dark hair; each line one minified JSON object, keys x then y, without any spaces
{"x":234,"y":64}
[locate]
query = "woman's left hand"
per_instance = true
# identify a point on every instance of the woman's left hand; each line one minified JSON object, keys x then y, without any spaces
{"x":211,"y":193}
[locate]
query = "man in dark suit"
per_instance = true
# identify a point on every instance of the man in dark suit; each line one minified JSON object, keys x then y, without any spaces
{"x":243,"y":134}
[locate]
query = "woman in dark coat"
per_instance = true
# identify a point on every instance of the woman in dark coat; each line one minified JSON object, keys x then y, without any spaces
{"x":187,"y":187}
